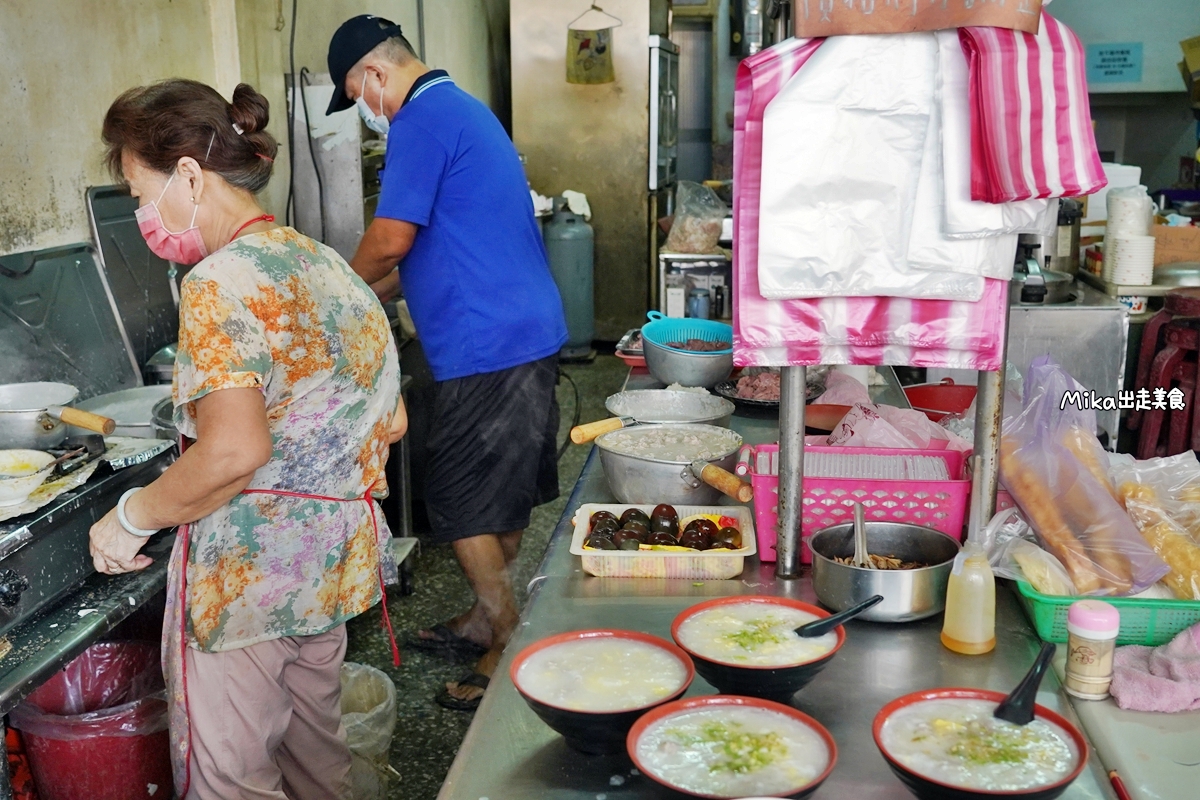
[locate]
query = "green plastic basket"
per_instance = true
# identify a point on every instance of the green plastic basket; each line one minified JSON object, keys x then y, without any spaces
{"x":1148,"y":622}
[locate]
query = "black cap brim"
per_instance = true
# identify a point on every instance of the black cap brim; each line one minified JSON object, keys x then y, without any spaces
{"x":354,"y":39}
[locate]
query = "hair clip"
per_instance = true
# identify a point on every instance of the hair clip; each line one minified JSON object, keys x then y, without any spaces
{"x":238,"y":128}
{"x":265,"y":157}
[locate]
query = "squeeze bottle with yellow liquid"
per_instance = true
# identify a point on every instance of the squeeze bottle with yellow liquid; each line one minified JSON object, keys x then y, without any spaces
{"x":970,"y":624}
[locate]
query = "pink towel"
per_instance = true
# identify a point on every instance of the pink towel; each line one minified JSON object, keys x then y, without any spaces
{"x":835,"y":330}
{"x":1031,"y":126}
{"x":1165,"y":679}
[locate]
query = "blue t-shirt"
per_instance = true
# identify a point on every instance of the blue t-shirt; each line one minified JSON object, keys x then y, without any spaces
{"x":476,"y":279}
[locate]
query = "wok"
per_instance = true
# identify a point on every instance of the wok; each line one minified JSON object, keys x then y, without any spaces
{"x":35,"y":416}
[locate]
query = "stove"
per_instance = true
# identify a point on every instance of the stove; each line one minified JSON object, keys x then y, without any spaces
{"x":44,"y":554}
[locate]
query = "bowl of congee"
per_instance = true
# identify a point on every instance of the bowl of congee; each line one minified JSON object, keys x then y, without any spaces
{"x":592,"y":685}
{"x":946,"y":744}
{"x":732,"y":747}
{"x":748,"y":645}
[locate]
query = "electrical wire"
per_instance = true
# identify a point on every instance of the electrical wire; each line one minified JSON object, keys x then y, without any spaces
{"x":291,"y":137}
{"x":312,"y":152}
{"x":578,"y":410}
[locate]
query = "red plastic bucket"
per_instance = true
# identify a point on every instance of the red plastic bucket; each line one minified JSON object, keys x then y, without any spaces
{"x":939,"y":400}
{"x":97,"y":729}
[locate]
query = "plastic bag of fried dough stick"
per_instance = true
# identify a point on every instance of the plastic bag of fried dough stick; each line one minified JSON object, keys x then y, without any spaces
{"x":1013,"y":553}
{"x":1054,"y":467}
{"x":1171,"y":483}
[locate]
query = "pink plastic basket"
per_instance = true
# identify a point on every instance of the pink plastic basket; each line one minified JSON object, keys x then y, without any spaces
{"x":941,"y":505}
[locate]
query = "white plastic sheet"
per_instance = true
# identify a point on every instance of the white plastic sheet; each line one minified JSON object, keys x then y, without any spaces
{"x":845,"y":140}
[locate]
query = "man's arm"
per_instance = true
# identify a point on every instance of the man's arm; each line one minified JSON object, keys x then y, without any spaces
{"x":385,"y":243}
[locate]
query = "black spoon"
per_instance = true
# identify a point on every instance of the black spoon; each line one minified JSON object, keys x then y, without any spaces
{"x":1017,"y":708}
{"x":823,"y":626}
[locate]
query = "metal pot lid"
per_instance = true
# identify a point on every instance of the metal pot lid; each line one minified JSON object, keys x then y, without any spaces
{"x":1051,"y":276}
{"x":667,"y":406}
{"x":1182,"y":273}
{"x":165,"y":357}
{"x":721,"y":441}
{"x":128,"y":406}
{"x":37,"y":396}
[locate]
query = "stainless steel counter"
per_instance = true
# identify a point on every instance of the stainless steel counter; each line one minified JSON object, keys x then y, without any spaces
{"x":509,"y":754}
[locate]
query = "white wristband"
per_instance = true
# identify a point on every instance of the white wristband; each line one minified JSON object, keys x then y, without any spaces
{"x":124,"y":520}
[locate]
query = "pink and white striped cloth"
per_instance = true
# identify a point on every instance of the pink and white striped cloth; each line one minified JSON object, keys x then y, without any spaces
{"x":1031,"y":125}
{"x":835,"y":330}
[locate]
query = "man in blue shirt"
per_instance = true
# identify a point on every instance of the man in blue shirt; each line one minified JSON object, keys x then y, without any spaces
{"x":455,"y":213}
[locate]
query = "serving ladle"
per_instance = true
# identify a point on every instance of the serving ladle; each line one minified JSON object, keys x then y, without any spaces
{"x":1017,"y":708}
{"x":861,"y":557}
{"x":823,"y":626}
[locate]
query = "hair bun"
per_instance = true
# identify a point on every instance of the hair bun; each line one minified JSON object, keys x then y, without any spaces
{"x":249,"y":109}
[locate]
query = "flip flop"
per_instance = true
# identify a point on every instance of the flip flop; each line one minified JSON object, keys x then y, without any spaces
{"x":447,"y":700}
{"x":446,"y":643}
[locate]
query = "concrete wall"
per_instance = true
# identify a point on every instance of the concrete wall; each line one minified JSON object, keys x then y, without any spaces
{"x":592,"y":139}
{"x":64,"y":61}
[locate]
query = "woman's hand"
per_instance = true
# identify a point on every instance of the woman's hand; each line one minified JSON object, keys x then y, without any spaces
{"x":115,"y":550}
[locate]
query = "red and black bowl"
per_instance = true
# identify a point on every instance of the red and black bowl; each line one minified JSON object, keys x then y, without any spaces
{"x":770,"y":683}
{"x":596,"y":732}
{"x":725,"y":701}
{"x":928,"y":788}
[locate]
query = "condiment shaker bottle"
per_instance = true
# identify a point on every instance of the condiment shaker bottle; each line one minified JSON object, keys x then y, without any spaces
{"x":1092,"y":627}
{"x":970,"y":624}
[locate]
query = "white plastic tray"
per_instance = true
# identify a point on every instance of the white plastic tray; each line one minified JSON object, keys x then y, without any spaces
{"x":710,"y":565}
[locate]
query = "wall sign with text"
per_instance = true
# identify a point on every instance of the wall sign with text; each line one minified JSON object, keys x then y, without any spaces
{"x":1119,"y":62}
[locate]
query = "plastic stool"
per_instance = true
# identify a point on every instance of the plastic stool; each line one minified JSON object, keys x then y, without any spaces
{"x":1177,"y":303}
{"x":1175,"y":364}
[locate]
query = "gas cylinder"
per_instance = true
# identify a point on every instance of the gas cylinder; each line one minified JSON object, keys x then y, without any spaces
{"x":570,"y":248}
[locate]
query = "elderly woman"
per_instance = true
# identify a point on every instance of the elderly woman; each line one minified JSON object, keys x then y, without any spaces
{"x":287,"y":381}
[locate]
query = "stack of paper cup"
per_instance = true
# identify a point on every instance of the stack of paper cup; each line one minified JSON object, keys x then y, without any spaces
{"x":1130,"y":212}
{"x":1129,"y":260}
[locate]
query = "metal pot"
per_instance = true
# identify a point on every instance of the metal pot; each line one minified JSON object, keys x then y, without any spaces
{"x":684,"y":367}
{"x":35,"y":416}
{"x":162,"y":420}
{"x":131,"y":409}
{"x":1059,"y":287}
{"x":637,"y":479}
{"x":909,"y":594}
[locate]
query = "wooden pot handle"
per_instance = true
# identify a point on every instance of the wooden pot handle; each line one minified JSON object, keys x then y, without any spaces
{"x":727,"y":482}
{"x":582,"y":434}
{"x":85,"y":419}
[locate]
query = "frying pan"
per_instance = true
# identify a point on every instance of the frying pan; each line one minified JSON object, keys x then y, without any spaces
{"x":35,"y":416}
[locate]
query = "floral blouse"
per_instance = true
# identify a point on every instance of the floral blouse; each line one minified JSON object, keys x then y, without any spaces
{"x":279,"y":312}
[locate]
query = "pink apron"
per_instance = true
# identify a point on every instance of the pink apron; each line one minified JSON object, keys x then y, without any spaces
{"x":175,"y":635}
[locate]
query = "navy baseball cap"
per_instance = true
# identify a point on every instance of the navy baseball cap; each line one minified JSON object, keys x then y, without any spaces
{"x":357,"y":37}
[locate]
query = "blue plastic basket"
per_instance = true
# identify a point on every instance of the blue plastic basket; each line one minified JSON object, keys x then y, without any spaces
{"x":663,"y":330}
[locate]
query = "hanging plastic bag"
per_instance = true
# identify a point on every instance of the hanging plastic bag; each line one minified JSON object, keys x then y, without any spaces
{"x":698,"y":216}
{"x":1054,"y":467}
{"x":369,"y":717}
{"x":589,"y":47}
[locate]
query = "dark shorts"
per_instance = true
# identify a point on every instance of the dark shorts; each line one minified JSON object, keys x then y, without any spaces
{"x":492,"y":450}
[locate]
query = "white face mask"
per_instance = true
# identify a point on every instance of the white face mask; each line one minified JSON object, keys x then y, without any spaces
{"x":376,"y":122}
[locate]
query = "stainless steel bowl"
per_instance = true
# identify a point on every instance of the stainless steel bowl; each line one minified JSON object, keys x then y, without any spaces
{"x":908,"y":594}
{"x":662,"y":406}
{"x":636,"y":479}
{"x":668,"y":365}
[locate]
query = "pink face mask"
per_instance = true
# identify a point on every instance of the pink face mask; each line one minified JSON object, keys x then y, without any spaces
{"x":186,"y":247}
